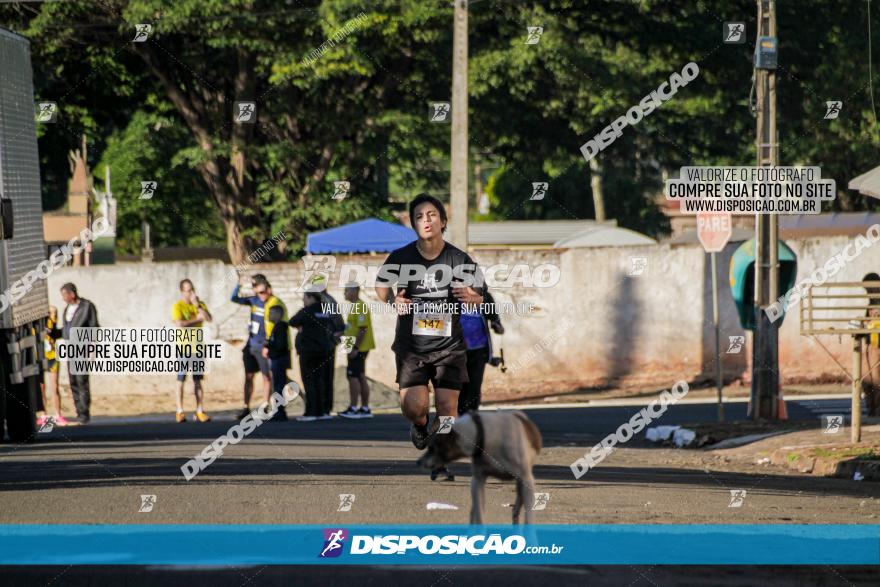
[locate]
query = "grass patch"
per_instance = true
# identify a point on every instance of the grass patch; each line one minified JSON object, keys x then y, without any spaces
{"x":864,"y":453}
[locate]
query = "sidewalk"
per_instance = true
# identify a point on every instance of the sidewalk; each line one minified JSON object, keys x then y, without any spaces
{"x":551,"y":394}
{"x":813,"y":452}
{"x":384,"y":398}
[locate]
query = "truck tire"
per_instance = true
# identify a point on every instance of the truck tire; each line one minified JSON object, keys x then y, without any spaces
{"x":20,"y":416}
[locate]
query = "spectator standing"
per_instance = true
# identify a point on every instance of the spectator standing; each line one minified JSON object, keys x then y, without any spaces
{"x":50,"y":385}
{"x":78,"y":313}
{"x":277,"y":350}
{"x":190,"y":312}
{"x":314,"y":346}
{"x":360,"y":327}
{"x":258,"y":331}
{"x":338,"y":325}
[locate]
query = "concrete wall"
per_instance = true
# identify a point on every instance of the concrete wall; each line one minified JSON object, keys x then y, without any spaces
{"x":597,"y":326}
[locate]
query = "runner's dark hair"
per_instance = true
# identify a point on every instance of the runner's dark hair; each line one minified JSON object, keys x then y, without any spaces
{"x":70,"y":287}
{"x":182,"y":281}
{"x":423,"y":199}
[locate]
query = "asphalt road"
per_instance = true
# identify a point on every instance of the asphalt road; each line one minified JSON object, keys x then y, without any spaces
{"x":433,"y":576}
{"x":294,"y":473}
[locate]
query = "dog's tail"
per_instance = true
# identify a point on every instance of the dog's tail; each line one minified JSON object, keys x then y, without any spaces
{"x":532,"y":431}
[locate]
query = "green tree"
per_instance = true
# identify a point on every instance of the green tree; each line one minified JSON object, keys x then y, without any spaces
{"x":180,"y":212}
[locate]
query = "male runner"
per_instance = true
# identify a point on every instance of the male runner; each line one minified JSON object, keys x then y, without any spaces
{"x":428,"y":341}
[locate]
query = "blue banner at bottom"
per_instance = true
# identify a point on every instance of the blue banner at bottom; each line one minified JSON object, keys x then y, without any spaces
{"x":439,"y":545}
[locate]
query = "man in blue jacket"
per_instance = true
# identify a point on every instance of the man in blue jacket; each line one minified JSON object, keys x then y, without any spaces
{"x":259,"y":329}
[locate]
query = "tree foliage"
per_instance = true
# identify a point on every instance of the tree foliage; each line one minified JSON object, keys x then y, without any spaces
{"x":343,"y":88}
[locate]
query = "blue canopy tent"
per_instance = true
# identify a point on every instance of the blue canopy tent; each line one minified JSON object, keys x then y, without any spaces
{"x":363,"y":236}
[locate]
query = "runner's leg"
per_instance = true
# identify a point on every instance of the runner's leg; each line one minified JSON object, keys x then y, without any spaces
{"x":414,"y":403}
{"x":446,"y":401}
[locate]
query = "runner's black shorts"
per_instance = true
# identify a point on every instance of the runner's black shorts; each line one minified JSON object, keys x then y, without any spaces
{"x":445,"y":369}
{"x":197,"y":375}
{"x":254,"y":360}
{"x":357,"y":365}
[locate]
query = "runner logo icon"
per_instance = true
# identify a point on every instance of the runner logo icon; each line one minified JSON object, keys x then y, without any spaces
{"x":446,"y":423}
{"x":832,"y":423}
{"x":333,"y":542}
{"x":832,"y":109}
{"x":147,"y":503}
{"x":440,"y":112}
{"x":541,"y":500}
{"x":736,"y":344}
{"x":346,"y":500}
{"x":539,"y":190}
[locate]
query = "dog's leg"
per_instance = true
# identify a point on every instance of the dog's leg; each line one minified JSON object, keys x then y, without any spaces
{"x":478,"y":494}
{"x":526,"y":486}
{"x":517,"y":505}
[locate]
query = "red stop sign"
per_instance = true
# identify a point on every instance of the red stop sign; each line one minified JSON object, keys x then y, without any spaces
{"x":713,"y":230}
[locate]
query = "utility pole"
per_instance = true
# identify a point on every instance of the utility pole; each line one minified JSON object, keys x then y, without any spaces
{"x":458,"y":175}
{"x":765,"y":347}
{"x":596,"y":188}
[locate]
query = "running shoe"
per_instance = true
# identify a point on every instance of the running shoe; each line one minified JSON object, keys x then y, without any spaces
{"x":181,"y":417}
{"x":350,"y":412}
{"x":325,"y":417}
{"x":242,"y":414}
{"x":419,"y":435}
{"x":443,"y":472}
{"x":202,"y":417}
{"x":306,"y":418}
{"x":365,"y":412}
{"x":61,"y":421}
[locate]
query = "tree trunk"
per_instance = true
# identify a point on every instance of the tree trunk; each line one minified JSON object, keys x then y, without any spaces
{"x":227,"y":179}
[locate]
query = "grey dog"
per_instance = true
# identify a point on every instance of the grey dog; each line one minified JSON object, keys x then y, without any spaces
{"x":503,"y":445}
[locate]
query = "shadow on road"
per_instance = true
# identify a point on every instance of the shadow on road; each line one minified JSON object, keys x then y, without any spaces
{"x":35,"y":475}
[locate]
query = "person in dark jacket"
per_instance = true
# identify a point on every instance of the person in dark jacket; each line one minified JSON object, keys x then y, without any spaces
{"x":475,"y":327}
{"x":315,"y":347}
{"x":78,"y":313}
{"x":277,"y":350}
{"x":335,"y":313}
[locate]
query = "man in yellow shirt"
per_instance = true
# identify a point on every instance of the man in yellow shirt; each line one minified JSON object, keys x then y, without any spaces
{"x":360,"y":327}
{"x":190,"y":312}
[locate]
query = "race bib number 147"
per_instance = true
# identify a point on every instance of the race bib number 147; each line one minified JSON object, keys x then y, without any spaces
{"x":430,"y":324}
